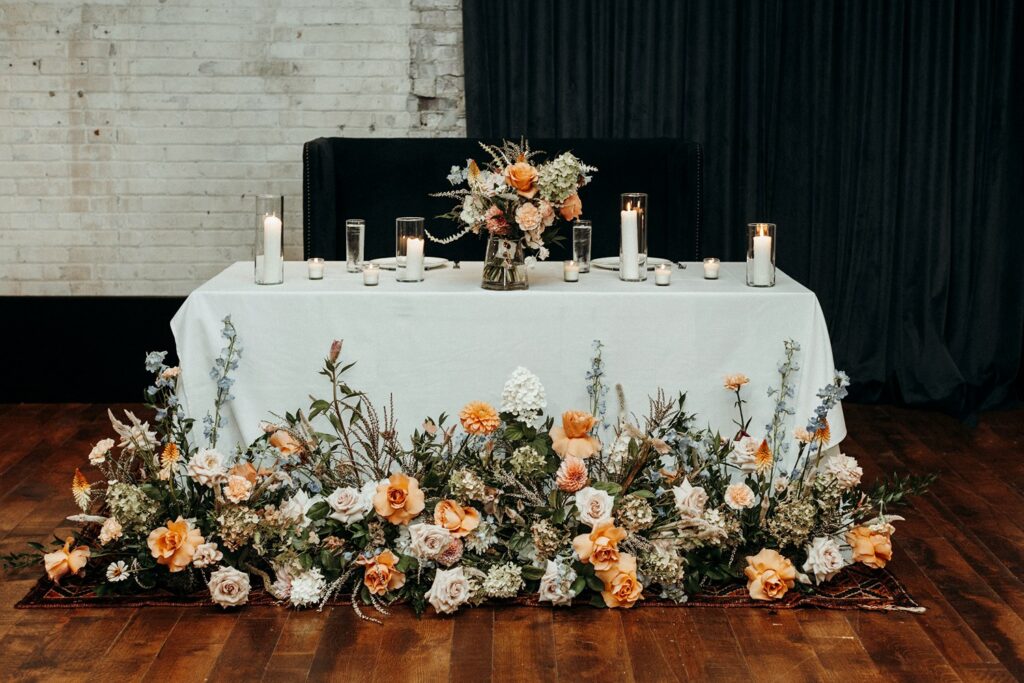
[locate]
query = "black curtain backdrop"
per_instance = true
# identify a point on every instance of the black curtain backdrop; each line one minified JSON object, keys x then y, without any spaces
{"x":883,"y":137}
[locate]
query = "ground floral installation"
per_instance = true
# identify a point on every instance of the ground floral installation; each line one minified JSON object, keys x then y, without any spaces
{"x":506,"y":503}
{"x":516,"y":197}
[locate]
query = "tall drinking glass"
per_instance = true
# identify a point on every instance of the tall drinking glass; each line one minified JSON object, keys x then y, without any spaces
{"x":582,"y":233}
{"x":355,"y":238}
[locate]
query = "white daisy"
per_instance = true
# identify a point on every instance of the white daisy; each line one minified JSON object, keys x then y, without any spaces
{"x":117,"y":571}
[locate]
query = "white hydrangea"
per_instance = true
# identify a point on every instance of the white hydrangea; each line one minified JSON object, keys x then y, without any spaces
{"x":844,"y":469}
{"x":556,"y":584}
{"x":523,"y":395}
{"x":483,"y":537}
{"x":503,"y":581}
{"x":618,"y":453}
{"x":307,"y":588}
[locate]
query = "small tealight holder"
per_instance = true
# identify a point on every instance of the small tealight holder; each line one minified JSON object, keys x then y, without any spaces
{"x":711,"y":266}
{"x":409,"y":243}
{"x":355,"y":239}
{"x":316,"y":268}
{"x":371,"y":275}
{"x":571,"y":271}
{"x":662,"y":275}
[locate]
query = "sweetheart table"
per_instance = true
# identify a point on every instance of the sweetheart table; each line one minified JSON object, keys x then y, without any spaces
{"x":435,"y":345}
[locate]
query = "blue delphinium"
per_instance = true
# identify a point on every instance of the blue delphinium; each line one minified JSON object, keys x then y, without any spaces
{"x":222,"y":366}
{"x":596,"y":389}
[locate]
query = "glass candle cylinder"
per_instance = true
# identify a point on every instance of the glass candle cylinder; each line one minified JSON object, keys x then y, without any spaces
{"x":268,"y":249}
{"x":355,"y":239}
{"x":582,"y":234}
{"x":711,"y":266}
{"x":409,"y":243}
{"x":761,"y":254}
{"x":633,"y":237}
{"x":316,"y":268}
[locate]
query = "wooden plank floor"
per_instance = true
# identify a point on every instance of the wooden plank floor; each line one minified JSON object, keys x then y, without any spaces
{"x":961,"y":554}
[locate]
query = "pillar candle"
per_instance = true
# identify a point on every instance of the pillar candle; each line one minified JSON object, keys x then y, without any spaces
{"x":272,"y":264}
{"x":762,"y":258}
{"x":414,"y":259}
{"x":629,"y":268}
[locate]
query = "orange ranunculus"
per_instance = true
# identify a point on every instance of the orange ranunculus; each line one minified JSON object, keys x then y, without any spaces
{"x":478,"y":417}
{"x":522,"y":177}
{"x":399,"y":499}
{"x":769,"y":575}
{"x":573,"y":437}
{"x":65,"y":561}
{"x":572,"y":208}
{"x":285,"y":442}
{"x":175,"y":544}
{"x":601,"y":546}
{"x":872,"y":547}
{"x":380,"y":575}
{"x":621,"y":587}
{"x":455,"y":518}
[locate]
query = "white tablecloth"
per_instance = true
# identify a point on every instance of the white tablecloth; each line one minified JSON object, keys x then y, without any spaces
{"x":438,"y":344}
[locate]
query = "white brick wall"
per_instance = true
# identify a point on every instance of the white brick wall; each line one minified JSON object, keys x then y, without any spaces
{"x":134,"y":133}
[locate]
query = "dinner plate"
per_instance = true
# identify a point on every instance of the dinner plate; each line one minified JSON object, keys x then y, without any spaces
{"x":429,"y":262}
{"x":612,"y":263}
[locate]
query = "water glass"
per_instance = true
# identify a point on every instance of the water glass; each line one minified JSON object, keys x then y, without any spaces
{"x":355,"y":238}
{"x":582,"y":232}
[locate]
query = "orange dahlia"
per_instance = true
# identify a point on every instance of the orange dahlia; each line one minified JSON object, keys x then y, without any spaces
{"x":572,"y":474}
{"x":478,"y":417}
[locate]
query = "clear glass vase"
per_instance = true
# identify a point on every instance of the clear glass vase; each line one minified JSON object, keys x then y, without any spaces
{"x":505,"y":265}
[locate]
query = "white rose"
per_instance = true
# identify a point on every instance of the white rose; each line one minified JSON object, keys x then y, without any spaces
{"x":229,"y":587}
{"x":744,"y":454}
{"x":99,"y":452}
{"x":843,"y":469}
{"x":690,"y":499}
{"x":739,"y":496}
{"x":110,"y":531}
{"x":449,"y":591}
{"x":824,"y":559}
{"x":428,"y":541}
{"x":295,"y":508}
{"x":206,"y":555}
{"x":349,"y":505}
{"x":556,"y":584}
{"x":208,"y":467}
{"x":594,"y":505}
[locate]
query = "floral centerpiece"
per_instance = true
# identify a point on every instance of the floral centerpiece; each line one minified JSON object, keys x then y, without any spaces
{"x":503,"y":503}
{"x":516,"y":201}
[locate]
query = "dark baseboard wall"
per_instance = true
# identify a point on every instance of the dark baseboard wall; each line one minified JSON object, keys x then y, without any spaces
{"x":82,"y":349}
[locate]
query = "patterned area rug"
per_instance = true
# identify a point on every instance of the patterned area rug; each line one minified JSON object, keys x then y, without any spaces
{"x":856,"y":587}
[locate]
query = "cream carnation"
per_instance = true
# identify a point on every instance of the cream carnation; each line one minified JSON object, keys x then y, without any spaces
{"x":207,"y":555}
{"x":229,"y":587}
{"x":739,"y":496}
{"x":110,"y":531}
{"x":98,"y":454}
{"x":449,"y":591}
{"x":594,"y":505}
{"x":237,"y":489}
{"x":843,"y":469}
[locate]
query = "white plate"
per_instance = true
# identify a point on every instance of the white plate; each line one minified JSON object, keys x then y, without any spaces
{"x":429,"y":262}
{"x":612,"y":263}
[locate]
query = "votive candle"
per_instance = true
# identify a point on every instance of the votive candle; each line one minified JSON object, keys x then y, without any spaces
{"x":711,"y":266}
{"x":371,"y":275}
{"x":662,"y":275}
{"x":316,"y":268}
{"x":571,"y":271}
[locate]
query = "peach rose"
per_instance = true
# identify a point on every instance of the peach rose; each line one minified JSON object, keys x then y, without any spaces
{"x":398,"y":499}
{"x":572,"y":208}
{"x":479,"y":418}
{"x":285,"y":442}
{"x":601,"y":546}
{"x":573,"y":437}
{"x":523,"y":177}
{"x":175,"y":544}
{"x":457,"y":519}
{"x":65,"y":561}
{"x":380,"y":575}
{"x":769,"y":575}
{"x":621,"y":587}
{"x":872,"y":545}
